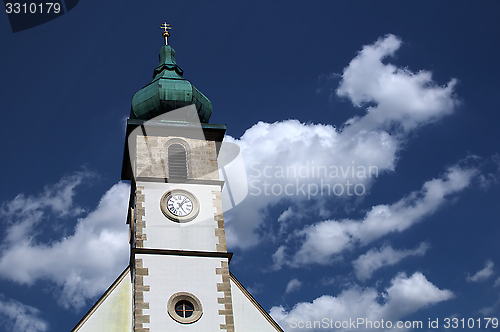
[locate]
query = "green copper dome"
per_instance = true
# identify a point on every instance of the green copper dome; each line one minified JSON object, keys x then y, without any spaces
{"x":168,"y":91}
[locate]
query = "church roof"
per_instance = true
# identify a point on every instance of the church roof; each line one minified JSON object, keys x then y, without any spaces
{"x":168,"y":91}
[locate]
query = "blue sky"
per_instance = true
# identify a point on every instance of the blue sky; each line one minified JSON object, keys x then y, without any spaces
{"x":407,"y":87}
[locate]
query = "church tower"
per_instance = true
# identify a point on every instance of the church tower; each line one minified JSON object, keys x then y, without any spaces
{"x":178,"y":278}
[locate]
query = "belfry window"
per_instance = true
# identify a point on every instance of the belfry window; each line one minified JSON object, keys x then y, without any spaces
{"x":177,"y":162}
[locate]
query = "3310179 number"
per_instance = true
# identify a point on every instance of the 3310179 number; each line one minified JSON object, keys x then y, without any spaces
{"x":463,"y":323}
{"x":33,"y":8}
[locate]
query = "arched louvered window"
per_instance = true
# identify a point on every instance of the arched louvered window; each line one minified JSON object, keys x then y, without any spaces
{"x":177,"y":162}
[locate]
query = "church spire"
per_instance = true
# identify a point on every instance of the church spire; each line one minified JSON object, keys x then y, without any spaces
{"x":168,"y":90}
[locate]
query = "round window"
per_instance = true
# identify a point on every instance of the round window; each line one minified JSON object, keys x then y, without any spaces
{"x":184,"y":308}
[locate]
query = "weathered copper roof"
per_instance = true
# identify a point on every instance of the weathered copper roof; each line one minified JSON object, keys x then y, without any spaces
{"x":168,"y":91}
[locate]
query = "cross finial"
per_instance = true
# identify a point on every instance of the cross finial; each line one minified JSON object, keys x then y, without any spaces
{"x":165,"y":26}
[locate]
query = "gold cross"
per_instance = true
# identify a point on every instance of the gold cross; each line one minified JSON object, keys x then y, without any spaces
{"x":165,"y":26}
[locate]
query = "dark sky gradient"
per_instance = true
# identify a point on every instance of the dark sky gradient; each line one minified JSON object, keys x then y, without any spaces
{"x":66,"y":87}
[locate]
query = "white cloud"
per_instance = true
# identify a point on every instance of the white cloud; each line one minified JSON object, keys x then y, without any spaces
{"x":484,"y":274}
{"x":374,"y":259}
{"x":279,"y":258}
{"x":286,"y":215}
{"x":83,"y":264}
{"x":327,"y":238}
{"x":24,"y":212}
{"x":405,"y":296}
{"x":281,"y":158}
{"x":488,"y":311}
{"x":293,"y":161}
{"x":289,"y":217}
{"x":18,"y":317}
{"x":402,"y":97}
{"x":293,"y":285}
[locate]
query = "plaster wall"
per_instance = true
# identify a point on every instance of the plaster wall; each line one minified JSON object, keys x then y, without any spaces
{"x":163,"y":233}
{"x":114,"y":314}
{"x":247,"y":318}
{"x":168,"y":275}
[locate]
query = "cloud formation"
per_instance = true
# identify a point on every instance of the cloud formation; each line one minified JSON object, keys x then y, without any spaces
{"x":330,"y":237}
{"x":83,"y":264}
{"x":484,"y":274}
{"x":18,"y":317}
{"x":402,"y":97}
{"x":404,"y":296}
{"x":304,"y":163}
{"x":293,"y":285}
{"x":300,"y":163}
{"x":25,"y":212}
{"x":365,"y":265}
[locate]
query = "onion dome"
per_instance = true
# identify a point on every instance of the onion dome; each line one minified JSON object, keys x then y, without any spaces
{"x":168,"y":91}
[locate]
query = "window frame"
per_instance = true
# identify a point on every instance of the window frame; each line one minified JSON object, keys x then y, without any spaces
{"x":188,"y":297}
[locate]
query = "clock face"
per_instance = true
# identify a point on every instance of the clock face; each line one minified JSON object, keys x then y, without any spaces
{"x":179,"y":205}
